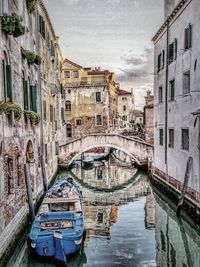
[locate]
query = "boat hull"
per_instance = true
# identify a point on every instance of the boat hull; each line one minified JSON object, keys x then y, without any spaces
{"x":46,"y":246}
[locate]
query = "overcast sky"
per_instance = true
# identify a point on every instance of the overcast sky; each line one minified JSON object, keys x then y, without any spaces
{"x":113,"y":34}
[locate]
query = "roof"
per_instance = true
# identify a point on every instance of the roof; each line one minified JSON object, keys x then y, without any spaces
{"x":72,"y":63}
{"x":176,"y":10}
{"x":123,"y":92}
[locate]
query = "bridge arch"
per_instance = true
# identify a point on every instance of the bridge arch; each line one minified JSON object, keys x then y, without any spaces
{"x":137,"y":149}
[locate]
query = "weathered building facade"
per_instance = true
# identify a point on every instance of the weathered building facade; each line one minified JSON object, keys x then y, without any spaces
{"x":177,"y":98}
{"x":125,"y":106}
{"x":149,"y":118}
{"x":90,"y":95}
{"x":24,"y":59}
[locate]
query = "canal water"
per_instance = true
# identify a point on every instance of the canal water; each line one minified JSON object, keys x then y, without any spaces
{"x":129,"y":224}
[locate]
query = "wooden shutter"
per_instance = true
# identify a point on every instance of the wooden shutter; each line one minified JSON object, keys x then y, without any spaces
{"x":190,"y":36}
{"x":9,"y":83}
{"x":25,"y":89}
{"x":163,"y":59}
{"x":33,"y":98}
{"x":62,"y":115}
{"x":44,"y":110}
{"x":40,"y":24}
{"x":186,"y":38}
{"x":175,"y":48}
{"x":4,"y":78}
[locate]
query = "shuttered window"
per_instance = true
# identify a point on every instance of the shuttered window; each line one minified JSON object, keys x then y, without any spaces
{"x":51,"y":113}
{"x":62,"y":115}
{"x":44,"y":110}
{"x":161,"y":137}
{"x":9,"y":83}
{"x":33,"y":98}
{"x":52,"y":49}
{"x":25,"y":91}
{"x":188,"y":37}
{"x":41,"y":26}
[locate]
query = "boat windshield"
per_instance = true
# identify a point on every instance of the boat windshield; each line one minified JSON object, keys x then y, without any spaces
{"x":54,"y":225}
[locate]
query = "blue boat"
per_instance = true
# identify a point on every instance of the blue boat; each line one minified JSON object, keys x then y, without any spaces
{"x":57,"y":230}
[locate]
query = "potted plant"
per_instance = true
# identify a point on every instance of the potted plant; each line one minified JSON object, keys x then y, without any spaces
{"x":8,"y":108}
{"x":31,"y":4}
{"x":11,"y":24}
{"x":33,"y":116}
{"x":31,"y":57}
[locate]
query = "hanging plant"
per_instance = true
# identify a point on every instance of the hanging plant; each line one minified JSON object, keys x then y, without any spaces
{"x":31,"y":57}
{"x":1,"y":107}
{"x":31,"y":5}
{"x":33,"y":116}
{"x":8,"y":108}
{"x":11,"y":24}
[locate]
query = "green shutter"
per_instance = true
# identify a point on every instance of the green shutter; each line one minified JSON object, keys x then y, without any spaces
{"x":25,"y":89}
{"x":62,"y":114}
{"x":9,"y":82}
{"x":33,"y":98}
{"x":4,"y":77}
{"x":190,"y":36}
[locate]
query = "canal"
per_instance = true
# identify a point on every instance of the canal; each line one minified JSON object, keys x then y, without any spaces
{"x":129,"y":224}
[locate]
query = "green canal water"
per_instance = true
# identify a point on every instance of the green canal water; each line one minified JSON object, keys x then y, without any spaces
{"x":129,"y":224}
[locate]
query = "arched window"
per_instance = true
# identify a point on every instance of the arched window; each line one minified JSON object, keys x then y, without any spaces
{"x":68,"y":105}
{"x":69,"y":130}
{"x":7,"y":78}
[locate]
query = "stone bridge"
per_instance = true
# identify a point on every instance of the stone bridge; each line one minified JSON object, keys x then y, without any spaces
{"x":139,"y":150}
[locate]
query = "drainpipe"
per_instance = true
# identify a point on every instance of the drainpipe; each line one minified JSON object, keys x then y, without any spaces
{"x":166,"y":95}
{"x":42,"y":150}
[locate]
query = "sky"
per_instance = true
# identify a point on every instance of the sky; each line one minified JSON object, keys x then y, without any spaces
{"x":113,"y":34}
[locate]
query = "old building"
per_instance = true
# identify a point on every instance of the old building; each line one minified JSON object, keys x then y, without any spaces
{"x":177,"y":97}
{"x":28,"y":75}
{"x":149,"y":118}
{"x":50,"y":82}
{"x":125,"y":108}
{"x":90,"y":95}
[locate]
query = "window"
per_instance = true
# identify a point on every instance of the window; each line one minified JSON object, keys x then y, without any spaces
{"x":41,"y":26}
{"x":10,"y":176}
{"x":185,"y":139}
{"x":99,"y":174}
{"x":33,"y":98}
{"x":51,"y":113}
{"x":98,"y":120}
{"x":62,"y":114}
{"x":67,"y":74}
{"x":171,"y":138}
{"x":124,"y":98}
{"x":186,"y":82}
{"x":7,"y":79}
{"x":78,"y":122}
{"x":172,"y":90}
{"x":124,"y":118}
{"x":75,"y":74}
{"x":188,"y":37}
{"x":161,"y":60}
{"x":44,"y":110}
{"x":124,"y":108}
{"x":5,"y":8}
{"x":45,"y":152}
{"x":69,"y":130}
{"x":98,"y":97}
{"x":68,"y":105}
{"x":172,"y":51}
{"x":100,"y":217}
{"x":160,"y":93}
{"x":161,"y":137}
{"x":52,"y":49}
{"x":57,"y":148}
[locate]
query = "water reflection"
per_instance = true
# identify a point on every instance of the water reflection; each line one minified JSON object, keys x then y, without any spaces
{"x":130,"y":226}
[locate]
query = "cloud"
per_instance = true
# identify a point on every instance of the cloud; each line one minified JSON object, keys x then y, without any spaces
{"x":138,"y":67}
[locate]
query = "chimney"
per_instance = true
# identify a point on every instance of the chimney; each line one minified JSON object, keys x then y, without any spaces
{"x":169,"y":7}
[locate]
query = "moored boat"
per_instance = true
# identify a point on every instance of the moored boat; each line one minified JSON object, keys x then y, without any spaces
{"x":88,"y":161}
{"x":58,"y":228}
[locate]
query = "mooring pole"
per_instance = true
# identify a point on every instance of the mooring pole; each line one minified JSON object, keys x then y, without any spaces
{"x":29,"y":191}
{"x":45,"y":184}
